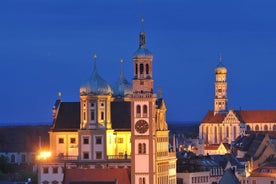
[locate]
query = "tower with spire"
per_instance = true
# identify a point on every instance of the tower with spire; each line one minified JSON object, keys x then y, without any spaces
{"x":220,"y":100}
{"x":149,"y":130}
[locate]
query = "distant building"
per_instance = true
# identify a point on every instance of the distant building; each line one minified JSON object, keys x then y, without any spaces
{"x":121,"y":127}
{"x":222,"y":125}
{"x":20,"y":144}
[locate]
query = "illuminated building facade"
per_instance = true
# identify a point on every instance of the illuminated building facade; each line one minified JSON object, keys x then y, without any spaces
{"x":123,"y":126}
{"x":224,"y":126}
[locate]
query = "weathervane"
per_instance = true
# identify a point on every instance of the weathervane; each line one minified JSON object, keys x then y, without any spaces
{"x":220,"y":58}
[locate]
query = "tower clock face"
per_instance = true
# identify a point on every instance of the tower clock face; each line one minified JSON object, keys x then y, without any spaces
{"x":141,"y":126}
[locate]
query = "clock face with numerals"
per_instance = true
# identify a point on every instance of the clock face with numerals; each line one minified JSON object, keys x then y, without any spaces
{"x":141,"y":126}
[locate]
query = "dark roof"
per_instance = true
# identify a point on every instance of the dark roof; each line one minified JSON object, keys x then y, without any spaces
{"x":229,"y":177}
{"x":68,"y":117}
{"x":101,"y":176}
{"x":121,"y":115}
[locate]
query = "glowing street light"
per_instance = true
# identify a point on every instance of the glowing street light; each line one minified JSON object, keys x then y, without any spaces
{"x":44,"y":155}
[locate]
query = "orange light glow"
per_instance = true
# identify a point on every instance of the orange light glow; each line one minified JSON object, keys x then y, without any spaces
{"x":44,"y":155}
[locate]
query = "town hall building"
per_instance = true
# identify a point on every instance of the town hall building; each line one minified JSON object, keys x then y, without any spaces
{"x":116,"y":133}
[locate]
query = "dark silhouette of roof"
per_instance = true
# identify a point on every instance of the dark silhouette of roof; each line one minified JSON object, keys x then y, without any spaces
{"x":24,"y":138}
{"x":68,"y":117}
{"x":229,"y":177}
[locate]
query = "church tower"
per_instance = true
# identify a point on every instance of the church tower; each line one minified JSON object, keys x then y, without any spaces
{"x":151,"y":160}
{"x":220,"y":101}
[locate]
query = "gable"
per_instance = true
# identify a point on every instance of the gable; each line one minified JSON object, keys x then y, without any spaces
{"x":231,"y":118}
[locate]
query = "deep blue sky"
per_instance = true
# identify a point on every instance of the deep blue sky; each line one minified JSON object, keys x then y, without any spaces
{"x":46,"y":46}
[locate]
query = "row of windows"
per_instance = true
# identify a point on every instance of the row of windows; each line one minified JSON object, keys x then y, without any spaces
{"x":98,"y":140}
{"x":138,"y":110}
{"x":265,"y":128}
{"x":23,"y":158}
{"x":163,"y":168}
{"x":142,"y":180}
{"x":162,"y":139}
{"x":92,"y":115}
{"x":92,"y":104}
{"x":46,"y":170}
{"x":53,"y":182}
{"x":99,"y":155}
{"x":162,"y":180}
{"x":141,"y":67}
{"x":200,"y":179}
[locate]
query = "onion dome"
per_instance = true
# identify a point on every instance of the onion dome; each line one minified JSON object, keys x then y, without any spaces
{"x":142,"y":51}
{"x":95,"y":85}
{"x":220,"y":69}
{"x":122,"y":87}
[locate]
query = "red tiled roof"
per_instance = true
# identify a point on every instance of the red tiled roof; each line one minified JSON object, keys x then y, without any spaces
{"x":210,"y":117}
{"x":247,"y":116}
{"x":99,"y":175}
{"x":256,"y":116}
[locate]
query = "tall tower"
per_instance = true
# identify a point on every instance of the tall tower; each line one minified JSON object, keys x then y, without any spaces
{"x":143,"y":119}
{"x":220,"y":101}
{"x":151,"y":161}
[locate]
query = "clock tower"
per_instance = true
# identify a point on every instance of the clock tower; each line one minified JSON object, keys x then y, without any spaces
{"x":150,"y":160}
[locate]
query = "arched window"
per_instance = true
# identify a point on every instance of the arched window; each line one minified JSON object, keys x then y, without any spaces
{"x":145,"y":110}
{"x":207,"y":132}
{"x":147,"y":68}
{"x":257,"y":128}
{"x":235,"y":132}
{"x":274,"y":127}
{"x":265,"y":128}
{"x":138,"y":109}
{"x":141,"y":68}
{"x":136,"y":68}
{"x":142,"y":148}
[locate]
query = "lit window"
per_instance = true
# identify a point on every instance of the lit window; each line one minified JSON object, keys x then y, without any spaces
{"x":120,"y":140}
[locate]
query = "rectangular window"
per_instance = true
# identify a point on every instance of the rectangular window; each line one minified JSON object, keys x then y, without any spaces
{"x":60,"y":140}
{"x":98,"y":155}
{"x":98,"y":139}
{"x":92,"y":115}
{"x":85,"y":140}
{"x":85,"y":155}
{"x":73,"y":140}
{"x":102,"y":115}
{"x":55,"y":170}
{"x":120,"y":140}
{"x":45,"y":170}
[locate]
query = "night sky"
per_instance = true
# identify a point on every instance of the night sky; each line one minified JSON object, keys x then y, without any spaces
{"x":47,"y":46}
